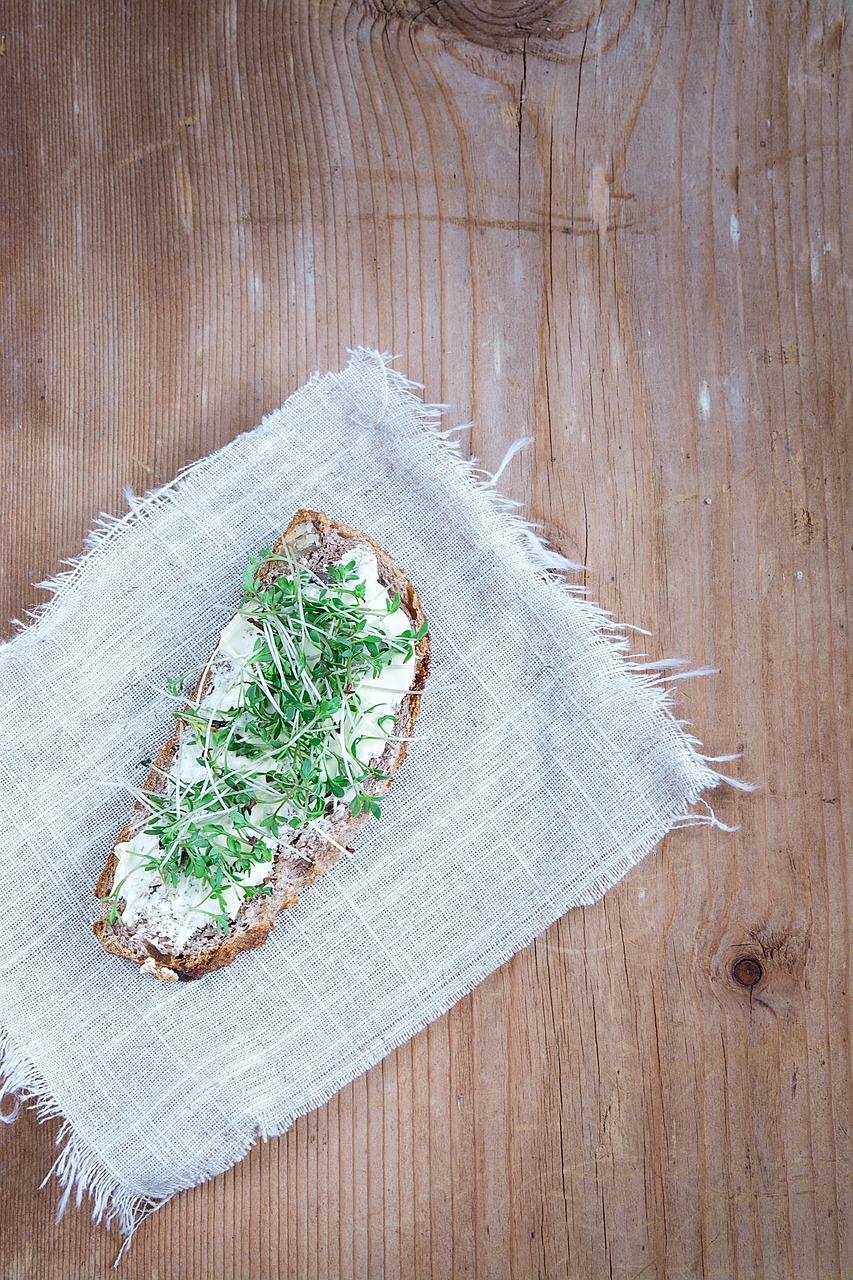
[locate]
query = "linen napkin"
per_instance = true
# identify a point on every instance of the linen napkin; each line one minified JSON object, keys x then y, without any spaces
{"x":547,"y":765}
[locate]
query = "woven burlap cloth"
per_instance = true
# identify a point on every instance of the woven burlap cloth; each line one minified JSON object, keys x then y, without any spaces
{"x":547,"y":765}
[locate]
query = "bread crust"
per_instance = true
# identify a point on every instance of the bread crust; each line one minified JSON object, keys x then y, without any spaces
{"x":297,"y":865}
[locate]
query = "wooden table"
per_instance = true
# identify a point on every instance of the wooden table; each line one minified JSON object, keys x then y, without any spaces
{"x":618,"y":226}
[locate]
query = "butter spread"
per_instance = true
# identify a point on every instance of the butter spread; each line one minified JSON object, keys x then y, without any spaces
{"x":176,"y":912}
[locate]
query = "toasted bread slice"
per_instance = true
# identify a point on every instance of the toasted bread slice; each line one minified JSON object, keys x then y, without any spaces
{"x":317,"y":542}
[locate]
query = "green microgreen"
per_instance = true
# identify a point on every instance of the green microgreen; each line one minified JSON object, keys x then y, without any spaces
{"x":292,"y":748}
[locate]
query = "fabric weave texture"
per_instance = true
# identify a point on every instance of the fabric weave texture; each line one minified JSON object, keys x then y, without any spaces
{"x":546,"y":766}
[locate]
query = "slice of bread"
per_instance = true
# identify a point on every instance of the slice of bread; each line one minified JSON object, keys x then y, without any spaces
{"x":317,"y":542}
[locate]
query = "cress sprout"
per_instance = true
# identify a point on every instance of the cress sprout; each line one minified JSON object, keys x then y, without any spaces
{"x":286,"y":755}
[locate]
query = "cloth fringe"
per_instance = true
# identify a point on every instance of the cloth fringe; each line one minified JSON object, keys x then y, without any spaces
{"x":77,"y":1170}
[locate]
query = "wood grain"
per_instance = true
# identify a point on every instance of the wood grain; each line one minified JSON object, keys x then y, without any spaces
{"x":619,"y":225}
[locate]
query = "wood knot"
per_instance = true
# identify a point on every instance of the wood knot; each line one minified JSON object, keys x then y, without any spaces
{"x":766,"y":963}
{"x":506,"y":24}
{"x":747,"y":972}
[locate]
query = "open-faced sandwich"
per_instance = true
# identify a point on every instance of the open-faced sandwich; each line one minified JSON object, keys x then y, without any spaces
{"x":295,"y":727}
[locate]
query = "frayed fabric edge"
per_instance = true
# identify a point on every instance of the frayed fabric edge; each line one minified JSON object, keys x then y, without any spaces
{"x":78,"y":1170}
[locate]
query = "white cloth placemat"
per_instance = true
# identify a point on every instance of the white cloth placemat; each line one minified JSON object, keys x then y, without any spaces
{"x":547,"y":766}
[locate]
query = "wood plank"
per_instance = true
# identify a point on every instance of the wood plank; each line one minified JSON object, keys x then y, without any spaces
{"x":621,"y":228}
